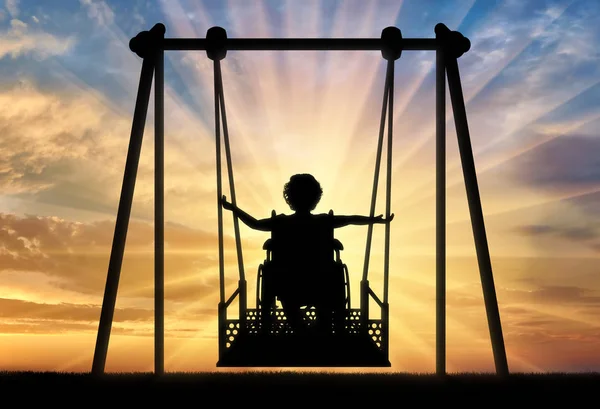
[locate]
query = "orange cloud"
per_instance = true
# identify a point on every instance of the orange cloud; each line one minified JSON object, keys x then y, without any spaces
{"x":77,"y":254}
{"x":65,"y":312}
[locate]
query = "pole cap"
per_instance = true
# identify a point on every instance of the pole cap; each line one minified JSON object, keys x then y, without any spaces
{"x":216,"y":38}
{"x":391,"y":37}
{"x":146,"y":42}
{"x":453,"y":42}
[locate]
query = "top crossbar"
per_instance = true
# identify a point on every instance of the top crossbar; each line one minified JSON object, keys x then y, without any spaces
{"x":300,"y":44}
{"x":216,"y":44}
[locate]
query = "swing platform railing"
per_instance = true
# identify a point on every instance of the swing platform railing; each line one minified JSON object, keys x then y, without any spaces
{"x":448,"y":45}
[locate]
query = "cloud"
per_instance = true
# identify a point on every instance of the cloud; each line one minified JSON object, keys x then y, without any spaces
{"x":13,"y":7}
{"x":539,"y":320}
{"x":550,"y":294}
{"x":572,"y":233}
{"x":68,"y":127}
{"x":11,"y":309}
{"x":525,"y":62}
{"x":569,"y":166}
{"x":68,"y":148}
{"x":569,"y":160}
{"x":98,"y":11}
{"x":522,"y":297}
{"x":502,"y":36}
{"x":62,"y":327}
{"x":583,"y":233}
{"x":77,"y":254}
{"x":25,"y":317}
{"x":520,"y":40}
{"x":20,"y":40}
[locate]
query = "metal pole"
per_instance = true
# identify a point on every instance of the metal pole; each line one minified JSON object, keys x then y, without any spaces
{"x":440,"y":284}
{"x":123,"y":213}
{"x":481,"y":244}
{"x":159,"y":218}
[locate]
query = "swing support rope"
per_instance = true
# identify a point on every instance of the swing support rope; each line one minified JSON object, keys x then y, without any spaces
{"x":217,"y":35}
{"x":365,"y":288}
{"x":391,"y":36}
{"x":391,"y":51}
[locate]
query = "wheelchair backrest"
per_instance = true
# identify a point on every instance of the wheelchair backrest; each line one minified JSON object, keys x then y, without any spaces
{"x":303,"y":242}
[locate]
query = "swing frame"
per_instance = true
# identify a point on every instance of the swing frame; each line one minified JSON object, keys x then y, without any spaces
{"x":448,"y":45}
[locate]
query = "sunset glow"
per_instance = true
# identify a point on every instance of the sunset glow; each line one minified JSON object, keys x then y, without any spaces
{"x":68,"y":85}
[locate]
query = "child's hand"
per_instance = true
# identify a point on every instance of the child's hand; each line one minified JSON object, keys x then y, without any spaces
{"x":226,"y":204}
{"x":380,"y":219}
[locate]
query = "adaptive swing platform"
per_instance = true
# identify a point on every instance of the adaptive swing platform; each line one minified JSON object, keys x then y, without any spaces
{"x":357,"y":347}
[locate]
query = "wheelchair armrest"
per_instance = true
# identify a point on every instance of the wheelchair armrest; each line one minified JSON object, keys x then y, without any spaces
{"x":337,"y":247}
{"x":268,"y":244}
{"x":269,"y":247}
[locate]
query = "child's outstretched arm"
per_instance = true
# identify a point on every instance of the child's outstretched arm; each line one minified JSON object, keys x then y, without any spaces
{"x":263,"y":224}
{"x":341,"y":221}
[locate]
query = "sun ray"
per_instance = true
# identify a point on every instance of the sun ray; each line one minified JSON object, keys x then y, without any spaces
{"x":364,"y":67}
{"x":405,"y":99}
{"x":172,"y":354}
{"x":334,"y":60}
{"x":471,"y":93}
{"x":402,"y":338}
{"x":313,"y":111}
{"x":262,"y":73}
{"x":521,"y":150}
{"x":455,"y":324}
{"x":458,"y":332}
{"x":125,"y":63}
{"x":301,"y":82}
{"x":518,"y":207}
{"x":202,"y":76}
{"x":515,"y":53}
{"x":555,"y":311}
{"x":81,"y":87}
{"x":480,"y":152}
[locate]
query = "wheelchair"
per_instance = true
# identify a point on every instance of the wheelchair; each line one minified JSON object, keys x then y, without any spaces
{"x":320,"y":295}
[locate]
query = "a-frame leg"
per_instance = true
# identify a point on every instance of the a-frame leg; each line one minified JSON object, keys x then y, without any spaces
{"x":440,"y":201}
{"x":476,"y":212}
{"x":159,"y":213}
{"x":124,"y":211}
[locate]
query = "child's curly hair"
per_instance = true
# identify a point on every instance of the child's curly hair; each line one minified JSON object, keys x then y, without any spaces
{"x":302,"y":192}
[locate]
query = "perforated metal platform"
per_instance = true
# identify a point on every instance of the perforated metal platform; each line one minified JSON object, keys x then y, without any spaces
{"x":281,"y":347}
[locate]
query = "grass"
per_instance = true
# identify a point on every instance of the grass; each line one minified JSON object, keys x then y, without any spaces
{"x":295,"y":387}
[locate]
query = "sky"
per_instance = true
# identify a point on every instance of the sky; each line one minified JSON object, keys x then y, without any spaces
{"x":68,"y":85}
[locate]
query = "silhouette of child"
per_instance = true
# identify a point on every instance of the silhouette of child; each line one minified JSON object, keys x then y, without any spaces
{"x":303,"y":246}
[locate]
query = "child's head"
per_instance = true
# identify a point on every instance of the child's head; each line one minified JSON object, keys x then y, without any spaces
{"x":302,"y":192}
